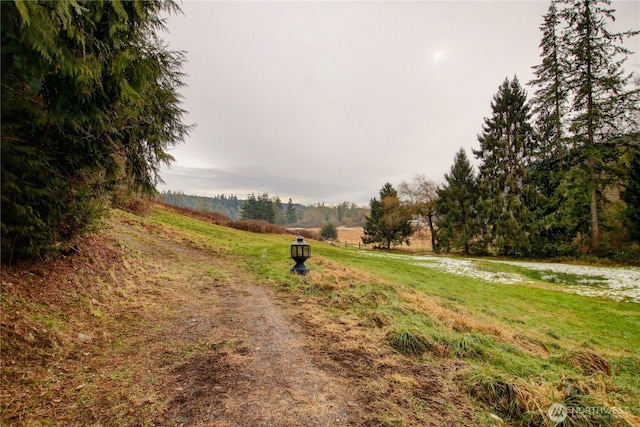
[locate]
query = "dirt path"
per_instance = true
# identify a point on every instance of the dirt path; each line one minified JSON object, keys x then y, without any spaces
{"x":140,"y":327}
{"x":255,"y":370}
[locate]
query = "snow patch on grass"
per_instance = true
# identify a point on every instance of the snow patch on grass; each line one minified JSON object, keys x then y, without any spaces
{"x":618,"y":283}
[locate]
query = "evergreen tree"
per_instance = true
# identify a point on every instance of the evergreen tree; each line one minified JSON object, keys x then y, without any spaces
{"x":551,"y":95}
{"x":250,"y":208}
{"x":602,"y":107}
{"x":259,"y":207}
{"x":90,"y":106}
{"x":278,"y":210}
{"x":506,"y":146}
{"x":291,"y":213}
{"x":329,"y":231}
{"x":388,"y":223}
{"x":549,"y":162}
{"x":457,"y":223}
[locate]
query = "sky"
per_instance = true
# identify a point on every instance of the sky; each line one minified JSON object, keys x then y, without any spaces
{"x":326,"y":101}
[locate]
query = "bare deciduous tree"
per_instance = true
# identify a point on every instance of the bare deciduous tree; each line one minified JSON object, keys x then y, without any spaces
{"x":419,"y":196}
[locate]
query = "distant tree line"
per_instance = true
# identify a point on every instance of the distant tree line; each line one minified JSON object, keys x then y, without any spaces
{"x":558,"y":174}
{"x":271,"y":209}
{"x":226,"y":205}
{"x":346,"y":214}
{"x":265,"y":208}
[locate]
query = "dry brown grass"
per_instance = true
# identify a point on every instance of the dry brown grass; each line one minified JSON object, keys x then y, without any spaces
{"x":462,"y":322}
{"x":352,"y":236}
{"x":589,"y":362}
{"x":62,"y":329}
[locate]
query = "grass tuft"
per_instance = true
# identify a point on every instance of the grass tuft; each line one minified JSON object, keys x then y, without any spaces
{"x":505,"y":394}
{"x":409,"y":342}
{"x":589,"y":362}
{"x":527,"y":402}
{"x":467,"y":346}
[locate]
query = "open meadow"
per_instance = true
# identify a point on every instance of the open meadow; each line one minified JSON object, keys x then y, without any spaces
{"x":164,"y":319}
{"x":352,"y":236}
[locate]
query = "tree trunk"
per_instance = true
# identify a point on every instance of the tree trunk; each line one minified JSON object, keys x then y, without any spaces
{"x":595,"y":225}
{"x":591,"y":112}
{"x":433,"y":233}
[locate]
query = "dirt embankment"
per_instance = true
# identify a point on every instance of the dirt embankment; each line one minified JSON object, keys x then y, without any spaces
{"x":140,"y":328}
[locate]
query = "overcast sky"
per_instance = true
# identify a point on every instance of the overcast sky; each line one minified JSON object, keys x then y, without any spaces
{"x":328,"y":101}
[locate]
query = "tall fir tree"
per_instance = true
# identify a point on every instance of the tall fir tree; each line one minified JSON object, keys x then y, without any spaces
{"x":551,"y":94}
{"x":457,"y":222}
{"x":551,"y":235}
{"x":602,"y":108}
{"x":90,"y":105}
{"x":388,"y":223}
{"x":507,"y":144}
{"x":291,"y":212}
{"x":549,"y":106}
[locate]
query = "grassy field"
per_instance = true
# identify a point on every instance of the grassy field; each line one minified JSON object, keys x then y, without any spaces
{"x":524,"y":346}
{"x":352,"y":236}
{"x":424,"y":347}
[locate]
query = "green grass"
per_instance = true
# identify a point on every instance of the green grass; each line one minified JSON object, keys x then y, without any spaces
{"x":522,"y":353}
{"x":579,"y":320}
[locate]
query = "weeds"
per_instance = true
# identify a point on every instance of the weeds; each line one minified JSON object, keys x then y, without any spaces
{"x":585,"y":411}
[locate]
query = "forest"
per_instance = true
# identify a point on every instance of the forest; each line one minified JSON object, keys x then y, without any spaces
{"x":559,"y":172}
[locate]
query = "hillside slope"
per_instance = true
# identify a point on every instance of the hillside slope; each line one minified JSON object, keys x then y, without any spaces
{"x":142,"y":325}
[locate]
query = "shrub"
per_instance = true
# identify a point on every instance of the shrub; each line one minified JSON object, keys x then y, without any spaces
{"x":329,"y":231}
